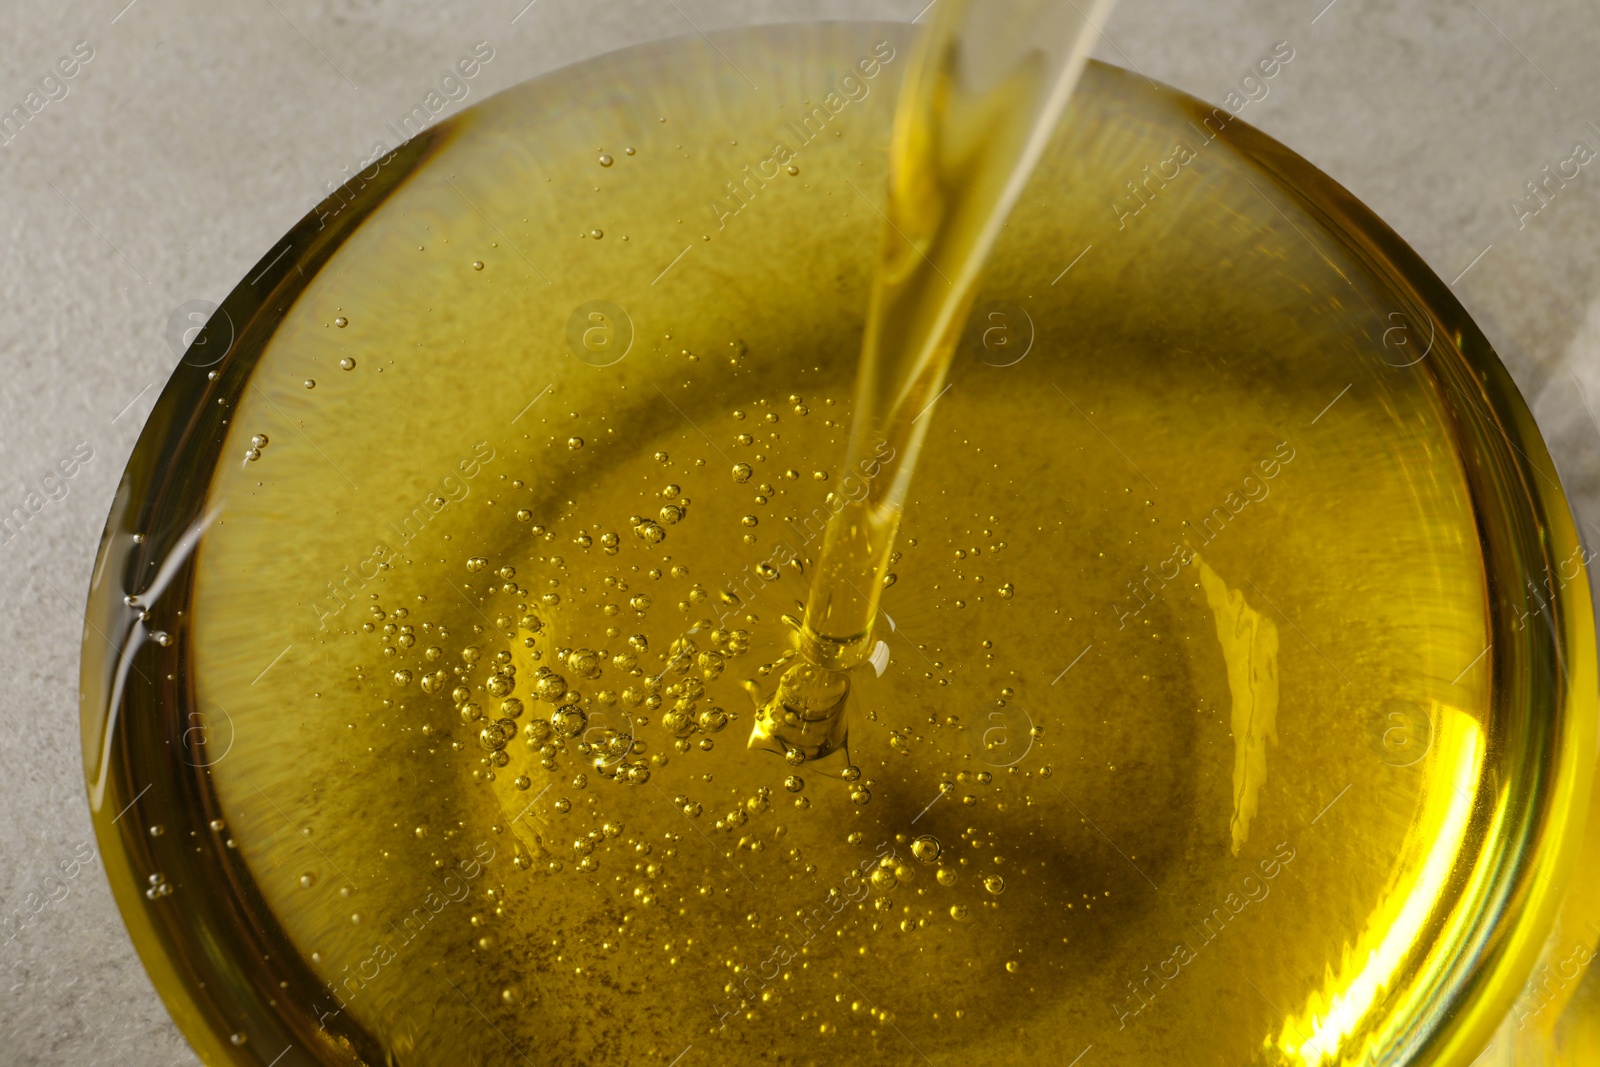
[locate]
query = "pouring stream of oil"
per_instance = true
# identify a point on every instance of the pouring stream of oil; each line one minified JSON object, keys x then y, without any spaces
{"x":975,"y":112}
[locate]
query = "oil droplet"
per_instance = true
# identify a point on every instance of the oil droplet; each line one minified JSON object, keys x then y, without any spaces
{"x":477,"y":264}
{"x":597,"y":233}
{"x":995,"y":884}
{"x":926,"y":849}
{"x":1007,"y":591}
{"x":311,"y":383}
{"x":793,"y":169}
{"x":157,"y":831}
{"x":574,"y":443}
{"x":946,"y":876}
{"x":218,"y":824}
{"x":341,"y":322}
{"x":308,"y":880}
{"x":742,"y":472}
{"x":605,"y":160}
{"x":1013,"y":966}
{"x":239,"y":1038}
{"x":347,"y":363}
{"x":959,"y":912}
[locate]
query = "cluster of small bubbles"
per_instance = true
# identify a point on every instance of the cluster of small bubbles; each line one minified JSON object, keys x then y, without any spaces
{"x":476,"y":564}
{"x":648,"y":531}
{"x":158,"y":887}
{"x":1007,"y":590}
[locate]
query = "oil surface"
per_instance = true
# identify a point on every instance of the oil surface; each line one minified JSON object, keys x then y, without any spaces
{"x":1177,"y":745}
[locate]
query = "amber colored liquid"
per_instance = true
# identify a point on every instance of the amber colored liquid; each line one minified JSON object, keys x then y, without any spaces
{"x":1191,"y":746}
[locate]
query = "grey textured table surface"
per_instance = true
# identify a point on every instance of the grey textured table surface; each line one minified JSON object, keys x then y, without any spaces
{"x":197,"y":133}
